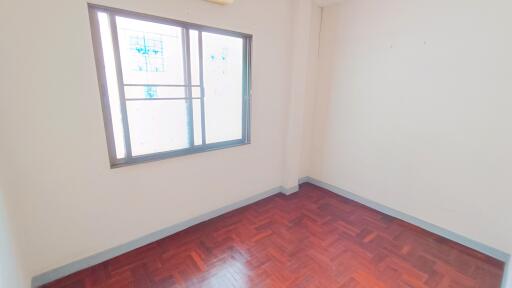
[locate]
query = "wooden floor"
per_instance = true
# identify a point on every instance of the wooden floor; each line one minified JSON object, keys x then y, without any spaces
{"x":312,"y":238}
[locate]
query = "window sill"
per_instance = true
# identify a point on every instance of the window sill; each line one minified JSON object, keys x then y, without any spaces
{"x":178,"y":153}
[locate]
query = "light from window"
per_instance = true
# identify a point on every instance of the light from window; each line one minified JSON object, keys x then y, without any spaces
{"x":169,"y":88}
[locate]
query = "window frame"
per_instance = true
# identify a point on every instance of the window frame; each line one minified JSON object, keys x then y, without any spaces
{"x":129,"y":159}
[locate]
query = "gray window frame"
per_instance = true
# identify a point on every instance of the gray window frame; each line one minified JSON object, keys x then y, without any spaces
{"x":186,"y":27}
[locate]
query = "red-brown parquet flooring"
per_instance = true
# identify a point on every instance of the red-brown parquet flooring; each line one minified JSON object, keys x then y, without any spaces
{"x":313,"y":238}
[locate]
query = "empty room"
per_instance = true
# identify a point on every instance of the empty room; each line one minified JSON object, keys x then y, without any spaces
{"x":256,"y":143}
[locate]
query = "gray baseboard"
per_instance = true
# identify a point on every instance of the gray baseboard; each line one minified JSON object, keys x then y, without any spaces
{"x":81,"y":264}
{"x":291,"y":190}
{"x":84,"y":263}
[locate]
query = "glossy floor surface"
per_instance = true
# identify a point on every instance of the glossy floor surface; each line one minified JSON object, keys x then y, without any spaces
{"x":312,"y":238}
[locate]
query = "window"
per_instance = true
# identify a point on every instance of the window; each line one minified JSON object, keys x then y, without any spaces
{"x":169,"y":88}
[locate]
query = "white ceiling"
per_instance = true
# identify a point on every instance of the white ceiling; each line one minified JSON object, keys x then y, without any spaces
{"x":323,"y":3}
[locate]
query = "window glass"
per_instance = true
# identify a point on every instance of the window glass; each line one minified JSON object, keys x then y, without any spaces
{"x":223,"y":84}
{"x":194,"y":56}
{"x":112,"y":85}
{"x":157,"y":126}
{"x":153,"y":92}
{"x":151,"y":53}
{"x":198,"y":132}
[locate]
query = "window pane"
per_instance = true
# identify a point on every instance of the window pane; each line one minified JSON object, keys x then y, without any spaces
{"x":112,"y":85}
{"x":157,"y":126}
{"x":168,"y":86}
{"x":151,"y":53}
{"x":194,"y":56}
{"x":152,"y":92}
{"x":196,"y":92}
{"x":223,"y":84}
{"x":198,"y":132}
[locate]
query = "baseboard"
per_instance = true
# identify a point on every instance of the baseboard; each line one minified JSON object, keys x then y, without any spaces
{"x":291,"y":190}
{"x":305,"y":179}
{"x":483,"y":248}
{"x":81,"y":264}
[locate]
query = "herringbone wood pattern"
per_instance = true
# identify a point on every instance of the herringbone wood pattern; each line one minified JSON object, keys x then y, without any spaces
{"x":312,"y":238}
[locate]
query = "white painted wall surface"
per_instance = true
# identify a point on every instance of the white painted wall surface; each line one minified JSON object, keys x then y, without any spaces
{"x":67,"y":203}
{"x":311,"y":94}
{"x":414,"y":110}
{"x":10,"y":269}
{"x":305,"y":33}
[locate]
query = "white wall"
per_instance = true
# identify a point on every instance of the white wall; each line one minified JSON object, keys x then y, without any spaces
{"x":308,"y":117}
{"x":414,"y":110}
{"x":67,"y":202}
{"x":10,"y":269}
{"x":304,"y":55}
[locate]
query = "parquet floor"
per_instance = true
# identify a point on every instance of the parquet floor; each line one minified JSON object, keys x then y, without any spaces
{"x":313,"y":238}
